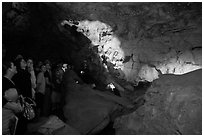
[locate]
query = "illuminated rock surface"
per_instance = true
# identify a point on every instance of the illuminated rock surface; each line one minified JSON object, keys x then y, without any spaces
{"x":156,"y":36}
{"x":138,"y":38}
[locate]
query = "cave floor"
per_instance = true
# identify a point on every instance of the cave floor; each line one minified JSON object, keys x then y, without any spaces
{"x":135,"y":96}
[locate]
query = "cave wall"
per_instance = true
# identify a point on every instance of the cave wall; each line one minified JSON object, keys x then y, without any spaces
{"x":158,"y":38}
{"x":32,"y":29}
{"x":162,"y":38}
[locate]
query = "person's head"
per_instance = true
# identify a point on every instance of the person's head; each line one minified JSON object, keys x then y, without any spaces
{"x":18,"y":56}
{"x":39,"y":63}
{"x":47,"y":65}
{"x":9,"y":68}
{"x":11,"y":94}
{"x":43,"y":68}
{"x":59,"y":73}
{"x":20,"y":63}
{"x":29,"y":63}
{"x":23,"y":64}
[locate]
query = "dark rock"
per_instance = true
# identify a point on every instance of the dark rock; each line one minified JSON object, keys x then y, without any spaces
{"x":86,"y":109}
{"x":173,"y":106}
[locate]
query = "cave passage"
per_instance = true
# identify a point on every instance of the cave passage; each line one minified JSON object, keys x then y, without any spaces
{"x":97,"y":68}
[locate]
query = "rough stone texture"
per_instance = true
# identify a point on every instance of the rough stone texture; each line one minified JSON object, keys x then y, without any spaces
{"x":86,"y":109}
{"x":157,"y":37}
{"x":173,"y":106}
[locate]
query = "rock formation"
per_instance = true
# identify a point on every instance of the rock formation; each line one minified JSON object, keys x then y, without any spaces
{"x":158,"y":37}
{"x":123,"y":44}
{"x":173,"y":106}
{"x":142,"y":40}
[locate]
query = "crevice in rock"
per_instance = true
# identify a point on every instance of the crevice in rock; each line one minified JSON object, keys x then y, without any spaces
{"x":195,"y":48}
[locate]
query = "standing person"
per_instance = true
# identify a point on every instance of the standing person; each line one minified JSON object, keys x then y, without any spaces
{"x":48,"y":90}
{"x":37,"y":68}
{"x":9,"y":70}
{"x":10,"y":106}
{"x":23,"y":78}
{"x":48,"y":73}
{"x":40,"y":90}
{"x":23,"y":84}
{"x":33,"y":78}
{"x":56,"y":93}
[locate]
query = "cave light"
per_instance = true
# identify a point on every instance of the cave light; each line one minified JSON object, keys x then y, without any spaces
{"x":82,"y":72}
{"x":111,"y":86}
{"x":64,"y":67}
{"x":101,"y":35}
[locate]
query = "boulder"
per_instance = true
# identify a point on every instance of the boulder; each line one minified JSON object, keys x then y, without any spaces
{"x":86,"y":109}
{"x":173,"y":106}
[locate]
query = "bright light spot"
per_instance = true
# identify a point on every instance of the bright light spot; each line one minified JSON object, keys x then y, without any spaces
{"x":93,"y":85}
{"x":101,"y":35}
{"x":64,"y":67}
{"x":111,"y":86}
{"x":82,"y":72}
{"x":177,"y":68}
